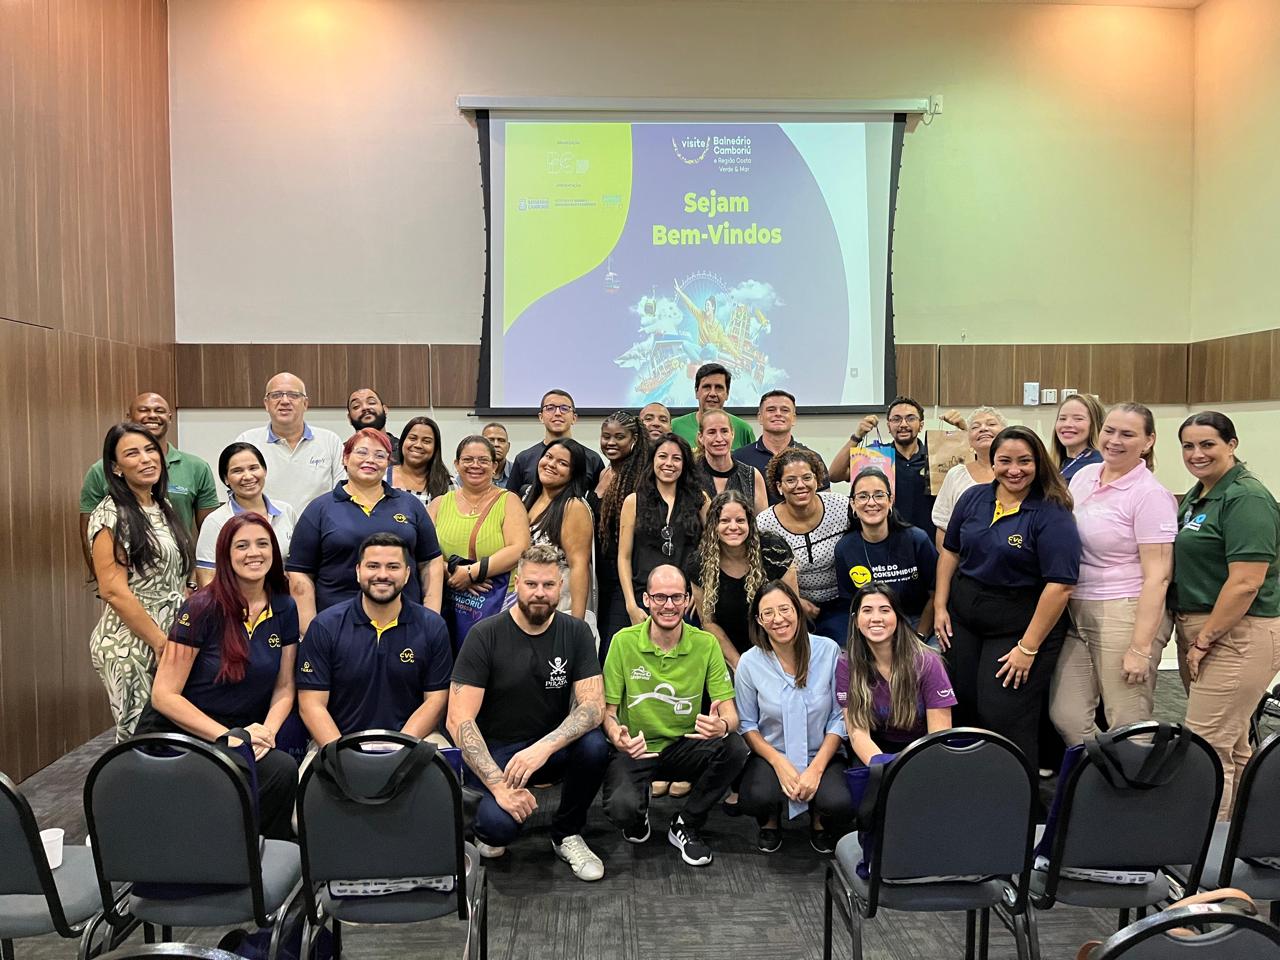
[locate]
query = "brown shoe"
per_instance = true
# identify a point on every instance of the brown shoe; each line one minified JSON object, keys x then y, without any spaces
{"x":659,"y":788}
{"x":681,"y":788}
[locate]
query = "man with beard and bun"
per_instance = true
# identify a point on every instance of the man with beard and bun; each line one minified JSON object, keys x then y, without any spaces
{"x":375,"y":662}
{"x":366,"y":409}
{"x":525,"y":707}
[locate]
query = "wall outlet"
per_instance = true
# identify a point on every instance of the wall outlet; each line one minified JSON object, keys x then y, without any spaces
{"x":1048,"y":395}
{"x":935,"y":104}
{"x":1031,"y":393}
{"x":1069,"y":392}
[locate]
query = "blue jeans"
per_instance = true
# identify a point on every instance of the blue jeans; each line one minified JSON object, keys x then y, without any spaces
{"x":579,"y":767}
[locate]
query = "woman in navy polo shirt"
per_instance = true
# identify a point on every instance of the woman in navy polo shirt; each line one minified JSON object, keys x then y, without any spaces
{"x":333,"y":526}
{"x":1009,"y":562}
{"x":229,"y":662}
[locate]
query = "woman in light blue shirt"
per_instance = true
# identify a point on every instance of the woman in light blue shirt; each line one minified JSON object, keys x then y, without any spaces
{"x":789,"y":717}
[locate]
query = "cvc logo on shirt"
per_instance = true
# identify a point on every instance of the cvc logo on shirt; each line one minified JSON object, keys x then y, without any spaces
{"x":1015,"y":540}
{"x":273,"y":641}
{"x":406,"y":655}
{"x":400,"y":518}
{"x":559,"y":673}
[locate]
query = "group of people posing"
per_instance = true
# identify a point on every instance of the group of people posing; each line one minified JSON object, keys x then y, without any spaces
{"x":691,"y":611}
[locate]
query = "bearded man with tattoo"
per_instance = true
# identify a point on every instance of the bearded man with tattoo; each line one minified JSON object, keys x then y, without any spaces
{"x":525,"y":707}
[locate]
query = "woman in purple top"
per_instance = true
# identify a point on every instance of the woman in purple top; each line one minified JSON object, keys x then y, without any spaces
{"x":893,"y":689}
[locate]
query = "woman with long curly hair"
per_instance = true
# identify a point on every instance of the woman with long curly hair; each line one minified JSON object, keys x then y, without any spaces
{"x":625,"y":446}
{"x":735,"y":560}
{"x":559,"y":515}
{"x":661,"y":522}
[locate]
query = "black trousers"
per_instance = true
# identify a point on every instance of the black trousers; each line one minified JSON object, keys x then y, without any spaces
{"x":986,"y":622}
{"x":710,"y":765}
{"x":761,"y":794}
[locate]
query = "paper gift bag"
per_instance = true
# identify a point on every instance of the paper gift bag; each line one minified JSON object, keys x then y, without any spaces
{"x":946,"y":449}
{"x":881,"y":456}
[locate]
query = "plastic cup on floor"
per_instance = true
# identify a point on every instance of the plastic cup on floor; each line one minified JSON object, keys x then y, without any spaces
{"x":52,"y":840}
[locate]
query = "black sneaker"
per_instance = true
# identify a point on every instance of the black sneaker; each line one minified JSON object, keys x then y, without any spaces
{"x":823,"y":841}
{"x":693,"y":849}
{"x":639,"y":833}
{"x":769,"y":840}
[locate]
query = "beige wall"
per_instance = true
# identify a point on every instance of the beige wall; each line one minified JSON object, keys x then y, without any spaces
{"x":1235,"y":283}
{"x":323,"y":178}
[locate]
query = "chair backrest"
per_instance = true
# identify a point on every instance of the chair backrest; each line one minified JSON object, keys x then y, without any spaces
{"x":1255,"y":826}
{"x":20,"y":849}
{"x":170,"y":809}
{"x":415,"y":832}
{"x":988,"y":826}
{"x":1102,"y":826}
{"x":1231,"y":935}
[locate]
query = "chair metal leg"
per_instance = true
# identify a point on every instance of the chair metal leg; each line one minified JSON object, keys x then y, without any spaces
{"x":1124,"y":918}
{"x":970,"y":931}
{"x":1275,"y":913}
{"x":1032,"y":933}
{"x":166,"y":934}
{"x":337,"y":939}
{"x":855,"y":932}
{"x":484,"y":921}
{"x":984,"y":933}
{"x":148,"y":933}
{"x":6,"y":950}
{"x":826,"y":916}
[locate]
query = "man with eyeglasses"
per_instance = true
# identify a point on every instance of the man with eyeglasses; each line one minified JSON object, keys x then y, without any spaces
{"x":303,"y":461}
{"x":777,"y":415}
{"x":558,"y":416}
{"x":655,"y":677}
{"x":912,"y":498}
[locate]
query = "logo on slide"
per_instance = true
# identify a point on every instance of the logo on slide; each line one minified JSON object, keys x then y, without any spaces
{"x":691,"y":148}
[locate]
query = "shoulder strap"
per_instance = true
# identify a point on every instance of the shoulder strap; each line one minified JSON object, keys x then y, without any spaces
{"x":328,"y":766}
{"x":1168,"y":748}
{"x":484,"y":515}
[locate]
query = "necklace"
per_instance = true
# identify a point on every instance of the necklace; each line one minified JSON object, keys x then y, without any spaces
{"x":474,"y":507}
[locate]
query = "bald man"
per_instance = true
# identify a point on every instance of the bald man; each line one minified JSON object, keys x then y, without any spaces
{"x":303,"y":461}
{"x":192,"y":489}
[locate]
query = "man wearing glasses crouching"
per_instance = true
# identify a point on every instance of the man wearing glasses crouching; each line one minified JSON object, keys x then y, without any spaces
{"x":655,"y":676}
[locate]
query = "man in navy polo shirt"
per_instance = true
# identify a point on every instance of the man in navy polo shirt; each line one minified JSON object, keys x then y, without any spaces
{"x":777,"y":416}
{"x":375,"y":662}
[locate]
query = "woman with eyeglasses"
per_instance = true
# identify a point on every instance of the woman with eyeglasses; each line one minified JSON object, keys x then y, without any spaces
{"x":244,"y":470}
{"x":661,"y":522}
{"x":792,"y":723}
{"x":811,"y":522}
{"x":883,"y":547}
{"x":625,"y":446}
{"x":332,"y":527}
{"x":421,"y":470}
{"x":736,"y":560}
{"x":483,"y":528}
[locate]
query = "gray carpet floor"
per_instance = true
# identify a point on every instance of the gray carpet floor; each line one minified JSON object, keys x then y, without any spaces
{"x":745,"y":906}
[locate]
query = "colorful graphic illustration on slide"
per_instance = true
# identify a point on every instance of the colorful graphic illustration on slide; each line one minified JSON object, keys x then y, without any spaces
{"x":640,"y":251}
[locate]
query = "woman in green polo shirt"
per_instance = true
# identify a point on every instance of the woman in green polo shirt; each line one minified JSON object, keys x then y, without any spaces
{"x":1225,"y":592}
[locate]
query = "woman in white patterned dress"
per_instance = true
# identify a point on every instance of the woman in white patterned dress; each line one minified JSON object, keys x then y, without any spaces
{"x":142,"y":558}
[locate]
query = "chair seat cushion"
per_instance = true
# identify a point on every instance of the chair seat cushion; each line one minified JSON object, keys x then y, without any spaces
{"x":923,"y":897}
{"x":1262,"y":883}
{"x":27,"y":915}
{"x":281,"y":872}
{"x":1116,"y":896}
{"x":412,"y":907}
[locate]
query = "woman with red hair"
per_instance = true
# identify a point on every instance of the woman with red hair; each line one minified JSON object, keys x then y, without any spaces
{"x":229,"y":662}
{"x":327,"y":537}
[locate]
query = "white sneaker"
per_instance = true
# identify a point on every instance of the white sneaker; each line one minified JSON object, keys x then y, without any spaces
{"x":488,"y":852}
{"x":575,"y":852}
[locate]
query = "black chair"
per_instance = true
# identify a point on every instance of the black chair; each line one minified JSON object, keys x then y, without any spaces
{"x":1265,"y":717}
{"x":959,"y":802}
{"x":1224,"y":933}
{"x":174,"y":817}
{"x":34,"y":899}
{"x":1104,"y":827}
{"x":1252,"y":833}
{"x":365,"y":812}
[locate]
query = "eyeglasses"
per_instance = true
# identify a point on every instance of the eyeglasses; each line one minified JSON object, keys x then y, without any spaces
{"x":668,"y":545}
{"x":771,"y":614}
{"x":667,"y":599}
{"x":557,"y":408}
{"x":474,"y":462}
{"x":792,"y":482}
{"x":879,"y":496}
{"x":377,"y":456}
{"x":275,"y":396}
{"x":909,"y":418}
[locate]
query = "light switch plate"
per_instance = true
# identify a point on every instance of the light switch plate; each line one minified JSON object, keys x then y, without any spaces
{"x":1031,"y":393}
{"x":1069,"y":392}
{"x":1048,"y":395}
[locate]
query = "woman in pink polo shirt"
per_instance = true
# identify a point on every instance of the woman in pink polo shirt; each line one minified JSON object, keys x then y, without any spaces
{"x":1127,"y":524}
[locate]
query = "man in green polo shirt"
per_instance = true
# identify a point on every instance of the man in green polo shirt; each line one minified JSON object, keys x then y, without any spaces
{"x":654,"y":679}
{"x":192,"y":491}
{"x":711,"y":387}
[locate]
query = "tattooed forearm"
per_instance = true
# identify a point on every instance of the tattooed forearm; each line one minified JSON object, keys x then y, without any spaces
{"x":476,"y":752}
{"x":587,"y":712}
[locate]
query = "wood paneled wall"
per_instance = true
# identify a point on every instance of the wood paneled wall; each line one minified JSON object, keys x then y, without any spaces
{"x":86,"y":322}
{"x":1235,"y":369}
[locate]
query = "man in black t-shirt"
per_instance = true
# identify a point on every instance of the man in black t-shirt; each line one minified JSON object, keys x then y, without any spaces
{"x":558,"y":417}
{"x":530,"y":679}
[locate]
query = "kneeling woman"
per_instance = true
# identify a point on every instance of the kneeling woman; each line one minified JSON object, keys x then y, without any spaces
{"x":229,"y":662}
{"x":893,"y":688}
{"x":790,"y":719}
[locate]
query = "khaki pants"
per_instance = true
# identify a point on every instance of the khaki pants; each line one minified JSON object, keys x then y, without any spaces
{"x":1233,"y":677}
{"x":1090,"y":669}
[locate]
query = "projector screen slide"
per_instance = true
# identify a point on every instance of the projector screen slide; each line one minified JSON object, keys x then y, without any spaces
{"x":623,"y":255}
